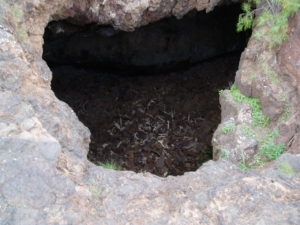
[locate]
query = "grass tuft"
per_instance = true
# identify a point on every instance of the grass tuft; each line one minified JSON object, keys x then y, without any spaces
{"x":111,"y":165}
{"x":224,"y":154}
{"x":228,"y":128}
{"x":286,"y":115}
{"x":248,"y":131}
{"x":259,"y":119}
{"x":268,"y":148}
{"x":271,"y":150}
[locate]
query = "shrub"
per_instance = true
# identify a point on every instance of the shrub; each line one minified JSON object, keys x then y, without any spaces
{"x":275,"y":14}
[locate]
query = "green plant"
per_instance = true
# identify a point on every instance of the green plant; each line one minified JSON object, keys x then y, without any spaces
{"x":272,"y":151}
{"x":269,"y":149}
{"x":244,"y":166}
{"x":274,"y":77}
{"x":275,"y":14}
{"x":246,"y":19}
{"x":286,"y":115}
{"x":259,"y":119}
{"x":228,"y":128}
{"x":285,"y":167}
{"x":224,"y":154}
{"x":248,"y":131}
{"x":257,"y":161}
{"x":262,"y":59}
{"x":283,"y":96}
{"x":112,"y":165}
{"x":95,"y":191}
{"x":271,"y":74}
{"x":260,"y":130}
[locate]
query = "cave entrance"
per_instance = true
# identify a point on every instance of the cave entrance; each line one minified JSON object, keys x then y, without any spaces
{"x":149,"y":97}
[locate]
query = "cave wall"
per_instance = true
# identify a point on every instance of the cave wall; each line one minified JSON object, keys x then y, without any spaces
{"x":45,"y":177}
{"x":23,"y":24}
{"x":169,"y":43}
{"x":29,"y":18}
{"x":269,"y":75}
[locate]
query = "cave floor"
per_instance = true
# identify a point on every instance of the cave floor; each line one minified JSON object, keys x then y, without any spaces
{"x":159,"y":123}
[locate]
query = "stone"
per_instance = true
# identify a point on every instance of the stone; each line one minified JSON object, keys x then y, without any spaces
{"x":270,"y":75}
{"x":295,"y":146}
{"x":289,"y":53}
{"x":174,"y":43}
{"x":45,"y":177}
{"x":236,"y":145}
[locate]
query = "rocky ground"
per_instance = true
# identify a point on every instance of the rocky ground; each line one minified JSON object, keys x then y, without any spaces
{"x":45,"y":176}
{"x":159,"y":123}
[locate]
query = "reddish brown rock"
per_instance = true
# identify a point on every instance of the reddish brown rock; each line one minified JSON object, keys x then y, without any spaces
{"x":44,"y":175}
{"x":289,"y":55}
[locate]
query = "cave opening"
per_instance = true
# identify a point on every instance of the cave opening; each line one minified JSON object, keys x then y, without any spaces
{"x":149,"y":97}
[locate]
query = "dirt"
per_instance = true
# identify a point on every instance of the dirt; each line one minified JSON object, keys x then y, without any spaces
{"x":160,"y":123}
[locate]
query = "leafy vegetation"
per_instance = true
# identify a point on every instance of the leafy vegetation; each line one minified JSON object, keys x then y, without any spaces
{"x":224,"y":153}
{"x":275,"y":14}
{"x":228,"y":128}
{"x":246,"y":19}
{"x":243,"y":164}
{"x":112,"y":165}
{"x":272,"y":27}
{"x":274,"y":77}
{"x":286,"y":115}
{"x":259,"y":119}
{"x":248,"y":131}
{"x":268,"y":148}
{"x":272,"y":151}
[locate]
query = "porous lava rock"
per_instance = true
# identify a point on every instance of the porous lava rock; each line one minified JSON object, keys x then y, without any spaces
{"x":168,"y":43}
{"x":45,"y":177}
{"x":272,"y":76}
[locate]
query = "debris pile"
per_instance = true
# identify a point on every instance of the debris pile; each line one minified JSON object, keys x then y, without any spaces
{"x":160,"y":123}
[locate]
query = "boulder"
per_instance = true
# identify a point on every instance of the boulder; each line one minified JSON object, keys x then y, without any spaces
{"x":45,"y":177}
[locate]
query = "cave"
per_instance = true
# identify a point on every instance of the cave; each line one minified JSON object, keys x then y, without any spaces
{"x":150,"y":96}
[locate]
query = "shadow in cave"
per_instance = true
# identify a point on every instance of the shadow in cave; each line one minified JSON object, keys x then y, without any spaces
{"x":149,"y":97}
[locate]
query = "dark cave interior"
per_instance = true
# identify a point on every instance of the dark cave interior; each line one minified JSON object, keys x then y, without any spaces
{"x":149,"y":97}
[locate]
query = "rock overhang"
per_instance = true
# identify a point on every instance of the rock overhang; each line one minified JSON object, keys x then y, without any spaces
{"x":109,"y":197}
